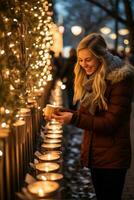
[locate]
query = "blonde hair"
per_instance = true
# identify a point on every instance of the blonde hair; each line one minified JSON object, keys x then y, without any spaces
{"x":97,"y":45}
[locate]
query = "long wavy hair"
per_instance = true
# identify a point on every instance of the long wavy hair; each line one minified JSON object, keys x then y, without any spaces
{"x":97,"y":45}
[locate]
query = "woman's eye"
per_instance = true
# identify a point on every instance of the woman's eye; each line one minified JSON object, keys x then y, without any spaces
{"x":88,"y":60}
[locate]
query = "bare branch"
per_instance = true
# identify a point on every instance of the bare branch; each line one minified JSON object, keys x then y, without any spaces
{"x":109,"y":12}
{"x":128,"y":10}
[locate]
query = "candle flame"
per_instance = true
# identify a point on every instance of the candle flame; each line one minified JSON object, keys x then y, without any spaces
{"x":40,"y":192}
{"x":1,"y":153}
{"x":49,"y":156}
{"x":44,"y":178}
{"x":47,"y":169}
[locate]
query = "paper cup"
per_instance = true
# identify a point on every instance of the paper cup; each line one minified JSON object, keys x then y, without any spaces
{"x":49,"y":110}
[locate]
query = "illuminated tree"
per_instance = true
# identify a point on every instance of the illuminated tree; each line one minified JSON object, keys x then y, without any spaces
{"x":25,"y":61}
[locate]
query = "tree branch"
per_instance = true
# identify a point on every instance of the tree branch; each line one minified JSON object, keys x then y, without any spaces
{"x":109,"y":12}
{"x":128,"y":10}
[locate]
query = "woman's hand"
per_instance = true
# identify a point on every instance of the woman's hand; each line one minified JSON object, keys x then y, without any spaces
{"x":63,"y":117}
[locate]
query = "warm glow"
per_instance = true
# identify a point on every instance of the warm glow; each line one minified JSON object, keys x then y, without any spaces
{"x":61,"y":29}
{"x":2,"y":52}
{"x":7,"y":111}
{"x":76,"y":30}
{"x":127,"y":49}
{"x":113,"y":36}
{"x":43,"y":178}
{"x":3,"y":125}
{"x":126,"y":41}
{"x":105,"y":30}
{"x":36,"y":42}
{"x":123,"y":31}
{"x":120,"y":48}
{"x":63,"y":86}
{"x":40,"y":192}
{"x":1,"y":153}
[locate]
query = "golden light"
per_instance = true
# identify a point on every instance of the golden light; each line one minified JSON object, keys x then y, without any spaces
{"x":9,"y":33}
{"x":11,"y":45}
{"x":105,"y":30}
{"x":11,"y":87}
{"x":2,"y":52}
{"x":1,"y":153}
{"x":3,"y":125}
{"x":61,"y":29}
{"x":63,"y":86}
{"x":113,"y":36}
{"x":120,"y":48}
{"x":127,"y":49}
{"x":7,"y":111}
{"x":123,"y":31}
{"x":49,"y":78}
{"x":41,"y":42}
{"x":76,"y":30}
{"x":126,"y":41}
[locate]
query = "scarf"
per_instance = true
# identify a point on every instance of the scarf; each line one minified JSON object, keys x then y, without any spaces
{"x":112,"y":62}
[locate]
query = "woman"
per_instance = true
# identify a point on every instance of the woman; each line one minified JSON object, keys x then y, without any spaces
{"x":104,"y":86}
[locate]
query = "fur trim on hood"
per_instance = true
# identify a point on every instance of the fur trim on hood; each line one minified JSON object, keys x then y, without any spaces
{"x":117,"y":69}
{"x":119,"y":74}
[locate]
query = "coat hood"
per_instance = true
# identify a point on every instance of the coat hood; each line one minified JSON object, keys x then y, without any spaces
{"x":118,"y":70}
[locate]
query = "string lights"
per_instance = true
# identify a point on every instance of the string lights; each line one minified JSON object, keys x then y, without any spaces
{"x":25,"y":60}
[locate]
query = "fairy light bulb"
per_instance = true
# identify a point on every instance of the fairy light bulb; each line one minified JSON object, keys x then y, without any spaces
{"x":7,"y":111}
{"x":1,"y":153}
{"x":2,"y":52}
{"x":6,"y":19}
{"x":9,"y":33}
{"x":49,"y":78}
{"x":43,"y":178}
{"x":41,"y":89}
{"x":15,"y":20}
{"x":40,"y":192}
{"x":2,"y":110}
{"x":7,"y":72}
{"x":3,"y":124}
{"x":11,"y":45}
{"x":63,"y":86}
{"x":11,"y":87}
{"x":44,"y":83}
{"x":36,"y":15}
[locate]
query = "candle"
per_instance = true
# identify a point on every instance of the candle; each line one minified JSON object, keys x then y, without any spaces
{"x":49,"y":157}
{"x":40,"y":192}
{"x":52,"y":141}
{"x":24,"y":110}
{"x":30,"y":100}
{"x":55,"y":131}
{"x":19,"y":123}
{"x":54,"y":122}
{"x":47,"y":167}
{"x":54,"y":126}
{"x":55,"y":136}
{"x":5,"y":171}
{"x":49,"y":176}
{"x":43,"y":188}
{"x":51,"y":146}
{"x":53,"y":152}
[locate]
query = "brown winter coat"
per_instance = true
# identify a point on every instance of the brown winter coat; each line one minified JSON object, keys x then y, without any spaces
{"x":106,"y":141}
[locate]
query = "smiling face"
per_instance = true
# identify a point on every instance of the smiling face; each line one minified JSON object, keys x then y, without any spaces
{"x":88,"y":61}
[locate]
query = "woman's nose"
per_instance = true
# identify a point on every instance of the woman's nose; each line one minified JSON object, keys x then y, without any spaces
{"x":84,"y":64}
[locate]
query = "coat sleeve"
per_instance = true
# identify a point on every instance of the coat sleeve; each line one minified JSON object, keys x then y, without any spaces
{"x":119,"y":108}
